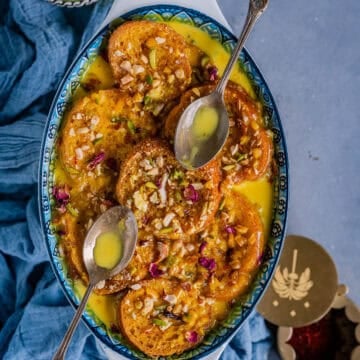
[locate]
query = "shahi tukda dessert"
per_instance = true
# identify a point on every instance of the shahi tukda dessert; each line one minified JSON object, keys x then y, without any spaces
{"x":201,"y":232}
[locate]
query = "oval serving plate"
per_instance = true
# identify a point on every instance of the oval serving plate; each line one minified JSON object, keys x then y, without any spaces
{"x":71,"y":82}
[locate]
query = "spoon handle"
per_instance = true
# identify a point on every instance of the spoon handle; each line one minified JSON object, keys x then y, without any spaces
{"x":60,"y":354}
{"x":256,"y":8}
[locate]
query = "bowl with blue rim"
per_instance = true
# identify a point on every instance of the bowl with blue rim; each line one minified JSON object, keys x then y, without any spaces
{"x":62,"y":101}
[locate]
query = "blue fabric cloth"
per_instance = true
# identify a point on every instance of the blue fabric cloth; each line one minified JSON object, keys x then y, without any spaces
{"x":37,"y":43}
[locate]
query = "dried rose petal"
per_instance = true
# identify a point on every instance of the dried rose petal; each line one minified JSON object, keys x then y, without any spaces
{"x":97,"y":159}
{"x":202,"y":247}
{"x":230,"y":229}
{"x":61,"y":196}
{"x":191,"y":194}
{"x":154,"y":270}
{"x":207,"y":263}
{"x":192,"y":336}
{"x":213,"y":73}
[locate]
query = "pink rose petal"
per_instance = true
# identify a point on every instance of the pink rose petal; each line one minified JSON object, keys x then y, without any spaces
{"x":97,"y":159}
{"x":207,"y":263}
{"x":192,"y":336}
{"x":213,"y":73}
{"x":191,"y":194}
{"x":154,"y":271}
{"x":230,"y":229}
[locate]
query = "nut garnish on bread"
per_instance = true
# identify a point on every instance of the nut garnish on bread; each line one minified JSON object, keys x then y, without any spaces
{"x":151,"y":59}
{"x":166,"y":199}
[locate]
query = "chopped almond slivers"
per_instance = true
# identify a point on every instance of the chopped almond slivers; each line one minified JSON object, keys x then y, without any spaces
{"x":118,"y":53}
{"x":168,"y":219}
{"x":78,"y":116}
{"x":79,"y":154}
{"x":179,"y":73}
{"x":83,"y":130}
{"x":138,"y":69}
{"x":234,"y":149}
{"x":127,"y":79}
{"x":196,"y":91}
{"x":144,"y":59}
{"x":153,"y":172}
{"x":126,"y":65}
{"x":139,"y":201}
{"x":160,"y":40}
{"x":156,"y":83}
{"x":162,"y":190}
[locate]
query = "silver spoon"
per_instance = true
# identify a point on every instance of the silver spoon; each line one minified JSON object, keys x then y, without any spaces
{"x":107,"y":222}
{"x":190,"y":150}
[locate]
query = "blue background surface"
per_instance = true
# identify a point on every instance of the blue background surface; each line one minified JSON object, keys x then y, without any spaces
{"x":309,"y":53}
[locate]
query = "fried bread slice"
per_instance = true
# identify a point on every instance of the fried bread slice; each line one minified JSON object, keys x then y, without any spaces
{"x":151,"y":59}
{"x":248,"y":150}
{"x":234,"y":243}
{"x":166,"y":199}
{"x":73,"y":235}
{"x":161,"y":318}
{"x":98,"y":133}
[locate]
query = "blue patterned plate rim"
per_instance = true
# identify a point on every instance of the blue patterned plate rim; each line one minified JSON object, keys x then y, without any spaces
{"x":247,"y":303}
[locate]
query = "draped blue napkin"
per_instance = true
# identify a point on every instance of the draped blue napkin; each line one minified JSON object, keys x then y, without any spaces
{"x":37,"y":43}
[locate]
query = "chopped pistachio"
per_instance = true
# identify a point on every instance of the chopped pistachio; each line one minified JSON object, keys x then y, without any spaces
{"x":152,"y":58}
{"x":159,"y":322}
{"x":170,"y":260}
{"x":72,"y":210}
{"x":71,"y":170}
{"x":149,"y":79}
{"x":178,"y":196}
{"x":184,"y":182}
{"x":222,"y":204}
{"x":177,"y":175}
{"x":204,"y":61}
{"x":151,"y":185}
{"x":147,"y":100}
{"x":241,"y":157}
{"x":166,"y":230}
{"x":95,"y":141}
{"x":157,"y":109}
{"x":131,"y":127}
{"x":228,"y":167}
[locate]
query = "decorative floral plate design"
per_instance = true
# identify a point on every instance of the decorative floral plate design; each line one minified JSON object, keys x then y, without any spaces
{"x":62,"y":100}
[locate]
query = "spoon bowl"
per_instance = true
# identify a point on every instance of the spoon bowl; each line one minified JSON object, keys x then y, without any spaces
{"x":120,"y":221}
{"x":109,"y":221}
{"x":191,"y":151}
